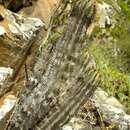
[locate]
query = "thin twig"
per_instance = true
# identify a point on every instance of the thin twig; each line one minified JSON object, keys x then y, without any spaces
{"x":26,"y":72}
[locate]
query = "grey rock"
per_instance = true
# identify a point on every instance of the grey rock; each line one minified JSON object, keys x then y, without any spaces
{"x":17,"y":34}
{"x":112,"y":109}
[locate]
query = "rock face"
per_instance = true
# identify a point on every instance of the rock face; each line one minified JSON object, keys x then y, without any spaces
{"x":42,"y":9}
{"x":4,"y":73}
{"x":79,"y":124}
{"x":112,"y":109}
{"x":6,"y":105}
{"x":16,"y":37}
